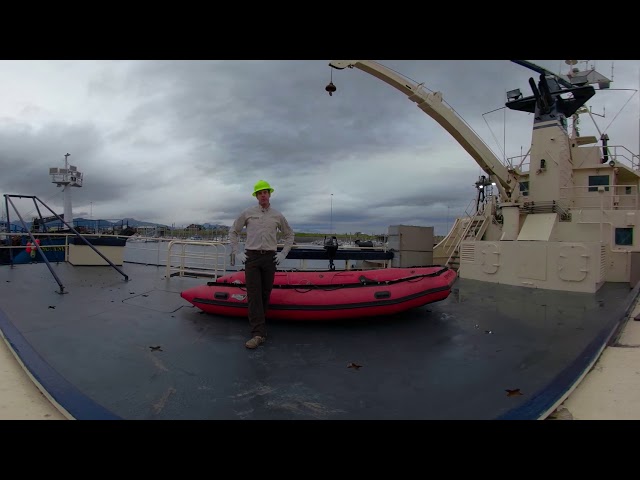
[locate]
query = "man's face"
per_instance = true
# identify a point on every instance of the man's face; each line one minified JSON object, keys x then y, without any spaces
{"x":263,"y":197}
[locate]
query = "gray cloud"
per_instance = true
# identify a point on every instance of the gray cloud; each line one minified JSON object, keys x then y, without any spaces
{"x":184,"y":141}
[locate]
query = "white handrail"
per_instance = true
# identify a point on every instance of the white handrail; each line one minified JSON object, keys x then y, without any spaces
{"x":197,"y":262}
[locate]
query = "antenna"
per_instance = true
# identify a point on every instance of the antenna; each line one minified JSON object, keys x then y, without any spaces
{"x":67,"y":176}
{"x":544,"y":71}
{"x":331,"y":218}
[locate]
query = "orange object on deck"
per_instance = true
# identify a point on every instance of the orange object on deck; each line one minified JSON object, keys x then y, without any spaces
{"x":31,"y":247}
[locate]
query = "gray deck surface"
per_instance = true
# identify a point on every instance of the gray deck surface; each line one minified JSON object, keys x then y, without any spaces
{"x":111,"y":348}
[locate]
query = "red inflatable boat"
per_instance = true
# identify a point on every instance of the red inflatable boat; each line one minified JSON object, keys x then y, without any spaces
{"x":329,"y":295}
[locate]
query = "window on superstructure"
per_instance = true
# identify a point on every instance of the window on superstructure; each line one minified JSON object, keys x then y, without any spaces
{"x":624,"y":236}
{"x":524,"y":188}
{"x":598,"y":180}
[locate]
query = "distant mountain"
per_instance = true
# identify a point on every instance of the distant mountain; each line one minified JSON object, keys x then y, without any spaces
{"x":132,"y":222}
{"x":15,"y":226}
{"x":215,"y":226}
{"x":101,"y":223}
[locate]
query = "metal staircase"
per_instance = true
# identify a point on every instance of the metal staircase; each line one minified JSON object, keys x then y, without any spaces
{"x":470,"y":228}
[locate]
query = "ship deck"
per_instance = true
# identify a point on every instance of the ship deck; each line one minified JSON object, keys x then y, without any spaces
{"x":115,"y":349}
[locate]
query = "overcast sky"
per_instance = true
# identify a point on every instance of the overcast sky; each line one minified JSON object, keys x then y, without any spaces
{"x":180,"y":142}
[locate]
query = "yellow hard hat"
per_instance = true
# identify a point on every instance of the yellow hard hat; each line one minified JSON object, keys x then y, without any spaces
{"x":261,"y":185}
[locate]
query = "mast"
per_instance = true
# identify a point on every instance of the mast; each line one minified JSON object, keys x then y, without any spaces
{"x":66,"y":177}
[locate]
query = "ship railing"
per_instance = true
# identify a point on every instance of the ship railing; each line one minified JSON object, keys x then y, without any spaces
{"x":520,"y":162}
{"x":451,"y":243}
{"x":305,"y":257}
{"x":45,"y":250}
{"x":7,"y":240}
{"x":548,"y":206}
{"x":601,"y":197}
{"x":618,"y":153}
{"x":197,"y":258}
{"x":210,"y":259}
{"x":622,"y":155}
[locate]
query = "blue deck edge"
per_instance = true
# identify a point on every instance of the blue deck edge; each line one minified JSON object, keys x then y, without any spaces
{"x":546,"y":398}
{"x":77,"y":404}
{"x":82,"y":407}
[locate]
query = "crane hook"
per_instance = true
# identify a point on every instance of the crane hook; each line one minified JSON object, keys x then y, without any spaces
{"x":330,"y":88}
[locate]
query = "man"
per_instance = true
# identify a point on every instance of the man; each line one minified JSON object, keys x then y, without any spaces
{"x":260,"y":256}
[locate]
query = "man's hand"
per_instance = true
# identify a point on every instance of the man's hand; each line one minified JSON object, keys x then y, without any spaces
{"x":241,"y":257}
{"x":279,"y":257}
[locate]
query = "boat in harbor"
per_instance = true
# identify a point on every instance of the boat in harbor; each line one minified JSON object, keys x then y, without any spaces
{"x":329,"y":295}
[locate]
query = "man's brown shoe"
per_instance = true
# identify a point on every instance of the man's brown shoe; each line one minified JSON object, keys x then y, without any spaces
{"x":255,"y":342}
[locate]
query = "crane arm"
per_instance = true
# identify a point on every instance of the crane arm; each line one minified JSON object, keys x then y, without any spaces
{"x":432,"y":105}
